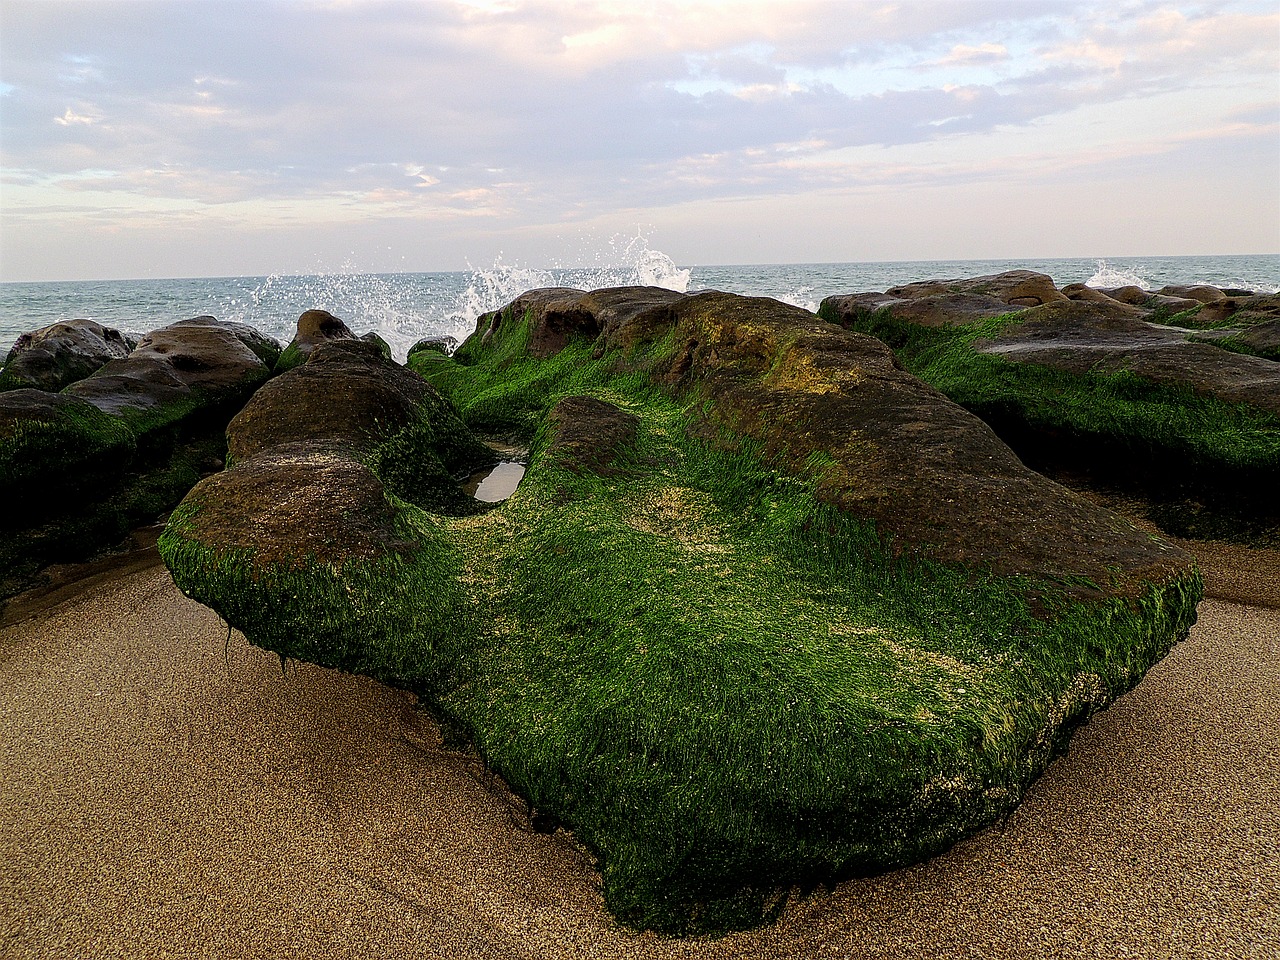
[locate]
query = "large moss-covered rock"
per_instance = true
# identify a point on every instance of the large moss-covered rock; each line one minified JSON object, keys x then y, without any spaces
{"x":765,"y":610}
{"x":60,"y":354}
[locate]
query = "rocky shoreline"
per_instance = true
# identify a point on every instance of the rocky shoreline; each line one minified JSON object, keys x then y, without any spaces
{"x":771,"y":606}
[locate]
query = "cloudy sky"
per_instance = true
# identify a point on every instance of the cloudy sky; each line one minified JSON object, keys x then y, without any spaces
{"x":206,"y":138}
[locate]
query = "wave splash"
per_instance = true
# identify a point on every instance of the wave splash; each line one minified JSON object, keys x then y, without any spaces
{"x":628,"y":261}
{"x":1107,"y":276}
{"x":403,"y":308}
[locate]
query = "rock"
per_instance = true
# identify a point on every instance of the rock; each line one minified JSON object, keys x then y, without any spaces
{"x":317,"y":519}
{"x":442,"y":345}
{"x":54,"y":449}
{"x":264,"y":348}
{"x":1130,"y":294}
{"x":61,"y":464}
{"x":60,"y":354}
{"x":188,"y":366}
{"x":1078,"y":291}
{"x":931,"y":310}
{"x":377,"y":340}
{"x":347,"y":392}
{"x":1088,"y":339}
{"x":765,"y":611}
{"x":1018,"y":288}
{"x":1201,"y":293}
{"x":588,"y":435}
{"x":1261,"y":338}
{"x":122,"y":446}
{"x":1090,"y":391}
{"x":314,"y":328}
{"x":1165,"y":304}
{"x":1239,"y":311}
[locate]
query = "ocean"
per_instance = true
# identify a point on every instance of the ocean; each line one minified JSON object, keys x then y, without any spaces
{"x":405,"y":307}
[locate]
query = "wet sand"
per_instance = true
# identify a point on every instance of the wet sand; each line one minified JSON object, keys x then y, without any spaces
{"x":166,"y":793}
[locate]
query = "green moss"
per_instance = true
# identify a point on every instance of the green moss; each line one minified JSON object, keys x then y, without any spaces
{"x":1168,"y":442}
{"x":61,"y":456}
{"x":1236,"y":344}
{"x":289,"y":358}
{"x":724,"y":687}
{"x":385,"y":616}
{"x":10,"y":382}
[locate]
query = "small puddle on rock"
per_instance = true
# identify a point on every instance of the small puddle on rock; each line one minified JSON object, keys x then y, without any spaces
{"x":497,"y":483}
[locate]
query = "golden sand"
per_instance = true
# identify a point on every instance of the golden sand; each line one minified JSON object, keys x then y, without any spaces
{"x":165,"y":793}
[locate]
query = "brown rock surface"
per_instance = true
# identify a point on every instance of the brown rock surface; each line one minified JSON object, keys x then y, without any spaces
{"x":933,"y":477}
{"x":62,"y":353}
{"x":1018,"y":288}
{"x":1081,"y":337}
{"x":200,"y":362}
{"x":588,"y":434}
{"x":931,"y":310}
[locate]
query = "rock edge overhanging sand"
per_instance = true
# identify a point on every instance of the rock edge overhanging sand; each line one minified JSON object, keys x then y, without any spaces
{"x":165,"y":794}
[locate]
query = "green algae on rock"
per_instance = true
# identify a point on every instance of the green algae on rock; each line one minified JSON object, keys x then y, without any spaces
{"x":764,"y":612}
{"x":122,"y":445}
{"x":314,"y":541}
{"x":1093,"y":390}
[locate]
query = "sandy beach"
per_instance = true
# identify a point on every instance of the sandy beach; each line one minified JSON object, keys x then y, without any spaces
{"x":167,"y":792}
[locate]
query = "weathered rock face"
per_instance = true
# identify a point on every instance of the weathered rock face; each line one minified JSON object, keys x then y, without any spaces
{"x":314,"y":328}
{"x":932,"y":310}
{"x":347,"y":392}
{"x":1084,"y":338}
{"x":1117,"y":390}
{"x":188,"y":365}
{"x":1017,"y":288}
{"x":1201,"y":293}
{"x":937,"y":303}
{"x":587,"y":434}
{"x":1239,"y":311}
{"x":896,"y":451}
{"x":318,"y":458}
{"x":60,"y":354}
{"x":53,"y":448}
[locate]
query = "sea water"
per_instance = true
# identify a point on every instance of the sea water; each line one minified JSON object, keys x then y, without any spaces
{"x":406,"y":307}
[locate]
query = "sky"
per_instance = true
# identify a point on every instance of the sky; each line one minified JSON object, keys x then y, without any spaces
{"x":206,"y":138}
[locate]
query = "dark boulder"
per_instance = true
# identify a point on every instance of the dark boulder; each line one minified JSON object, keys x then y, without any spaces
{"x":122,"y":446}
{"x":179,"y":371}
{"x":314,"y":328}
{"x":62,"y":353}
{"x":589,"y":435}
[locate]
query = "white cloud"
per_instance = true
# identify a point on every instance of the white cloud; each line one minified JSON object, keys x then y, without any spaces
{"x":963,"y":54}
{"x":71,"y":118}
{"x":531,"y":112}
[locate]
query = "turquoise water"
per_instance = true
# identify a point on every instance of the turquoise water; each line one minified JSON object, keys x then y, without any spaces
{"x":404,"y":307}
